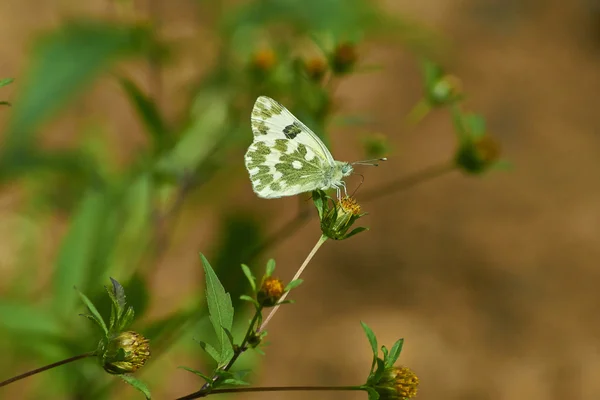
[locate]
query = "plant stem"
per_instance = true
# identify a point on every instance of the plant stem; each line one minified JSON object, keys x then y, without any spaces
{"x":286,"y":389}
{"x":237,"y":353}
{"x":47,"y":367}
{"x":322,"y":240}
{"x":409,"y":181}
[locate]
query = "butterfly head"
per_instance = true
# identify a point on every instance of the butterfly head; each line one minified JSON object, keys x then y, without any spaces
{"x":347,"y":169}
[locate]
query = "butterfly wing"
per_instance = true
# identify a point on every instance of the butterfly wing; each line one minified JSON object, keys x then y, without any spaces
{"x":286,"y":157}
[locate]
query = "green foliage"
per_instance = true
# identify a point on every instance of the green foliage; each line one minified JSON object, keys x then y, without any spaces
{"x":120,"y":216}
{"x":220,"y":312}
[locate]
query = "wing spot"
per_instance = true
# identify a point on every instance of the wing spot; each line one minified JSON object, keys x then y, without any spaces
{"x":292,"y":130}
{"x":297,"y":164}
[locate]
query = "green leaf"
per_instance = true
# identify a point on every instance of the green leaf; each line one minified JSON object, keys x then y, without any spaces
{"x":77,"y":249}
{"x":250,"y":277}
{"x":379,"y":371}
{"x":394,"y":353}
{"x":356,"y":231}
{"x":211,"y":351}
{"x":200,"y":374}
{"x":126,"y":319}
{"x":270,"y":267}
{"x":293,"y":285}
{"x":5,"y":103}
{"x":234,"y":382}
{"x":320,"y":200}
{"x":385,"y":352}
{"x":139,"y":385}
{"x":199,"y":139}
{"x":6,"y":81}
{"x":95,"y":314}
{"x":64,"y":62}
{"x":373,"y":395}
{"x":149,"y":113}
{"x":220,"y":310}
{"x":372,"y":341}
{"x":28,"y":319}
{"x":245,"y":297}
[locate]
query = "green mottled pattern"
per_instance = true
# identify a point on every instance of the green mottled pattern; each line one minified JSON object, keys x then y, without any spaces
{"x":292,"y":130}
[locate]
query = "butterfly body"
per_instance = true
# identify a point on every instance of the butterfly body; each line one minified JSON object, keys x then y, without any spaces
{"x":286,"y":158}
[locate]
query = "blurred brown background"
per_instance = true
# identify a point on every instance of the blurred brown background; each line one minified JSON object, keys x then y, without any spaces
{"x":493,"y":282}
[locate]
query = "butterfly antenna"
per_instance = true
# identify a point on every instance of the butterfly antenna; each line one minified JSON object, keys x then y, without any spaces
{"x":373,"y":162}
{"x":362,"y":179}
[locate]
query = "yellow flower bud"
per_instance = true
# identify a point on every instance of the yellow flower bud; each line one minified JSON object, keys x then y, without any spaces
{"x":125,"y":353}
{"x":270,"y":292}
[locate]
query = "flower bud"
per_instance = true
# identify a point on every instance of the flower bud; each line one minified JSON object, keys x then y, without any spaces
{"x":270,"y":292}
{"x":344,"y":58}
{"x":264,"y":60}
{"x":316,"y":68}
{"x":125,"y":353}
{"x":446,"y":90}
{"x":397,"y":383}
{"x":476,"y":155}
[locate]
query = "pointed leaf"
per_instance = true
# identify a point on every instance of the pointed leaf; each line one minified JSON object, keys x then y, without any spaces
{"x":6,"y":81}
{"x":250,"y":277}
{"x":379,"y":371}
{"x":126,"y":319}
{"x":211,"y":351}
{"x":233,"y":381}
{"x":293,"y":285}
{"x":270,"y":267}
{"x":77,"y":251}
{"x":394,"y":353}
{"x":372,"y":339}
{"x":220,"y":310}
{"x":385,"y":352}
{"x":90,"y":306}
{"x":249,"y":299}
{"x":139,"y":385}
{"x":149,"y":113}
{"x":356,"y":231}
{"x":96,"y":46}
{"x":200,"y":374}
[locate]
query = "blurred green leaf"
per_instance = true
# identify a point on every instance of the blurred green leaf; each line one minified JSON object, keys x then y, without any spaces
{"x":200,"y":138}
{"x":139,"y":385}
{"x":77,"y":250}
{"x":63,"y":63}
{"x":220,"y":310}
{"x":148,"y":112}
{"x":249,"y":276}
{"x":293,"y":284}
{"x":138,"y":295}
{"x":270,"y":267}
{"x":372,"y":341}
{"x":28,"y":319}
{"x":6,"y":81}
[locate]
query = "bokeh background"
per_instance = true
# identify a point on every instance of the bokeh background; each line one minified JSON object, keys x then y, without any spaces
{"x":491,"y":280}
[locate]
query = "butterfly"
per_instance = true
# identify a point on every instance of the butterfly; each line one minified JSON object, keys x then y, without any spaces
{"x":287,"y":158}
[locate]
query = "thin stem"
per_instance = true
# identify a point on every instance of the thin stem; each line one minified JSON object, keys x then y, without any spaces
{"x":286,"y":389}
{"x":322,"y":240}
{"x":409,"y":181}
{"x":237,"y":353}
{"x":47,"y":367}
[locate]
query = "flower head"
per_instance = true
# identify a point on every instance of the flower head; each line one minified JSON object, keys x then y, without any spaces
{"x":344,"y":58}
{"x":264,"y":60}
{"x":397,"y":383}
{"x":337,"y":217}
{"x":125,"y":353}
{"x":316,"y":68}
{"x":270,"y":292}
